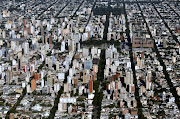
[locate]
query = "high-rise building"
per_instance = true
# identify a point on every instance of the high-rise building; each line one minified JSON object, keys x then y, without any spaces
{"x":36,"y":76}
{"x":129,"y":77}
{"x":62,"y":46}
{"x":164,"y":43}
{"x":33,"y":84}
{"x":142,"y":55}
{"x":85,"y":52}
{"x":11,"y":116}
{"x":8,"y":77}
{"x":148,"y":79}
{"x":88,"y":64}
{"x":57,"y":65}
{"x":49,"y":80}
{"x":42,"y":83}
{"x":50,"y":39}
{"x":26,"y":48}
{"x":49,"y":63}
{"x":109,"y":53}
{"x":90,"y":86}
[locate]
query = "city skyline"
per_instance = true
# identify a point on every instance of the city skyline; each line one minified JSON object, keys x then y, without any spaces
{"x":89,"y":59}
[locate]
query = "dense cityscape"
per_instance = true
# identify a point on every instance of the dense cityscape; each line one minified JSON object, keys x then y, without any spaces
{"x":89,"y":59}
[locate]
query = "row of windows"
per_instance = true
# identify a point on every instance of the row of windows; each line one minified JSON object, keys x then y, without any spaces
{"x":138,"y":42}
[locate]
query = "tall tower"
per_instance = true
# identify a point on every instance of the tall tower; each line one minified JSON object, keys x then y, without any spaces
{"x":8,"y":77}
{"x":148,"y":79}
{"x":33,"y":84}
{"x":49,"y":79}
{"x":91,"y":85}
